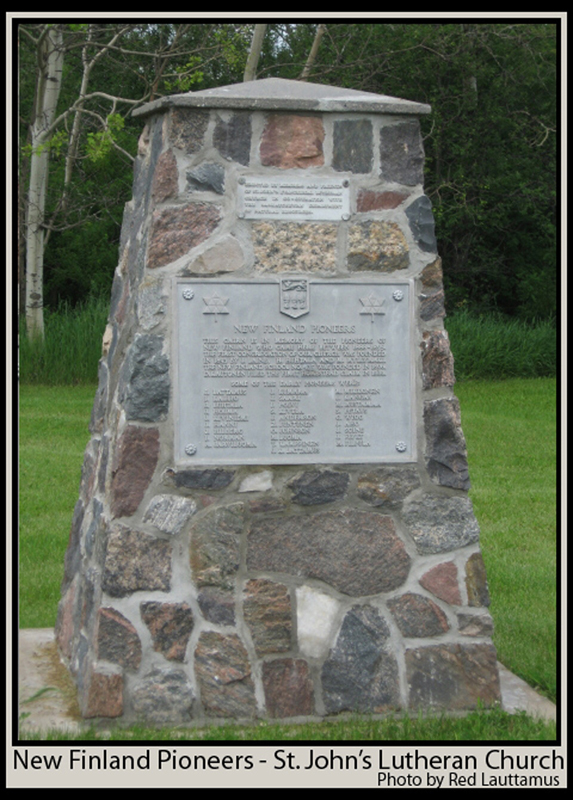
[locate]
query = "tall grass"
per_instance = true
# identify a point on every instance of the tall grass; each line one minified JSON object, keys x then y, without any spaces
{"x":71,"y":348}
{"x":496,"y":347}
{"x":484,"y":346}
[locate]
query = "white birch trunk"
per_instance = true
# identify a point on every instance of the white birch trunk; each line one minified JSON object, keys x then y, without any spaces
{"x":50,"y":58}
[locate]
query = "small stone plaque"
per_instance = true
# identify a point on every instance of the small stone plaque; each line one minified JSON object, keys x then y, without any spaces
{"x":293,"y":371}
{"x":291,"y":199}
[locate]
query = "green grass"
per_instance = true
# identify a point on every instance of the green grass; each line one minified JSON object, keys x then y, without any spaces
{"x":494,"y":347}
{"x":71,"y":348}
{"x":53,"y":436}
{"x":510,"y":428}
{"x":478,"y":725}
{"x":511,"y":436}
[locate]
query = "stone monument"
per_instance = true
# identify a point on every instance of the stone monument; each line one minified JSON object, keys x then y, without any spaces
{"x":273,"y":519}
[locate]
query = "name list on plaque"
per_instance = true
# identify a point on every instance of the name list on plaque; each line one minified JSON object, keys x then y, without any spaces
{"x":293,"y":371}
{"x":287,"y":198}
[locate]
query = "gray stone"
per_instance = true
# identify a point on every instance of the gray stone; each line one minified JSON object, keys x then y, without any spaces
{"x":136,"y":562}
{"x":170,"y":625}
{"x":387,"y":486}
{"x":100,"y":401}
{"x":201,"y":478}
{"x":206,"y":177}
{"x":117,"y":639}
{"x":163,"y":697}
{"x":437,"y":360}
{"x":475,"y":624}
{"x":357,"y":553}
{"x":440,"y":524}
{"x":73,"y":553}
{"x":217,"y":605}
{"x":417,"y":616}
{"x":233,"y":138}
{"x":225,"y":256}
{"x":146,"y":384}
{"x":151,"y":305}
{"x":286,"y":95}
{"x":422,"y":224}
{"x":360,"y":674}
{"x":353,"y":146}
{"x":215,"y":546}
{"x":169,"y":513}
{"x":224,"y":675}
{"x":453,"y":676}
{"x":401,"y":153}
{"x":446,"y":451}
{"x":315,"y":488}
{"x":187,"y":128}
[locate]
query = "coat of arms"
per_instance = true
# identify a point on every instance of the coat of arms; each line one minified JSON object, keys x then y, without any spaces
{"x":295,"y":297}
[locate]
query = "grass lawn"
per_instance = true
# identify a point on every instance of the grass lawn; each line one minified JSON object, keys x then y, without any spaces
{"x":510,"y":428}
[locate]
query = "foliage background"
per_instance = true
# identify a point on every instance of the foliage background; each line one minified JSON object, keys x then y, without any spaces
{"x":490,"y":142}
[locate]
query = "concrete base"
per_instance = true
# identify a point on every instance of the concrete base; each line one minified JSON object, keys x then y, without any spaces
{"x":47,"y":695}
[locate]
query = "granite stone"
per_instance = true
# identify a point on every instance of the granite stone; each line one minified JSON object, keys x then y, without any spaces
{"x":224,"y":675}
{"x":163,"y":697}
{"x":135,"y":562}
{"x":440,"y":524}
{"x":175,"y":230}
{"x":361,"y":674}
{"x":378,"y":246}
{"x":117,"y":639}
{"x":267,"y":612}
{"x":292,"y":142}
{"x":232,"y":137}
{"x":401,"y":153}
{"x":134,"y":465}
{"x":316,"y":488}
{"x":170,"y":625}
{"x":422,"y":224}
{"x":288,"y":688}
{"x":417,"y":616}
{"x":353,"y":146}
{"x":358,"y":553}
{"x":446,"y":451}
{"x":453,"y":677}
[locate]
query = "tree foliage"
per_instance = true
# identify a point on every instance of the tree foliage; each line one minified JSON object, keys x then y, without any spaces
{"x":490,"y":141}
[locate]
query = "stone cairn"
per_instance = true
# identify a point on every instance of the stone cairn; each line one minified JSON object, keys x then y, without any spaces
{"x":194,"y":594}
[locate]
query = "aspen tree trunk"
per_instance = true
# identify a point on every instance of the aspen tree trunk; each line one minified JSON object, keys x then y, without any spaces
{"x":255,"y":53}
{"x":50,"y":63}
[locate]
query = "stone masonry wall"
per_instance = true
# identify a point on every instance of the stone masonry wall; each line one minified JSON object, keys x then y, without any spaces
{"x":274,"y":592}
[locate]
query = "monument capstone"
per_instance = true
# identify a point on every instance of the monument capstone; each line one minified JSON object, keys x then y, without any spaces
{"x":273,"y":518}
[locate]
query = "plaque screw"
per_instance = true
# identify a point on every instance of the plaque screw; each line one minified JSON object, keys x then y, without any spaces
{"x":346,"y":217}
{"x":190,"y":449}
{"x":398,"y":295}
{"x":401,"y":446}
{"x":241,"y":216}
{"x":242,"y":181}
{"x":188,"y":294}
{"x":346,"y":183}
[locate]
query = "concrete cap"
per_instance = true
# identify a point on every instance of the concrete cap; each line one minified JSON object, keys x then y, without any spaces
{"x":279,"y":94}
